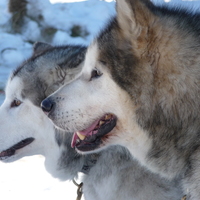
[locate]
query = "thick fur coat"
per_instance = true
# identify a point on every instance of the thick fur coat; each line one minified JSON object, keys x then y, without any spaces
{"x":143,"y":70}
{"x":26,"y":130}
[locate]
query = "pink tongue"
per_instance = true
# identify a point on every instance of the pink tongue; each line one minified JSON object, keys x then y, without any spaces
{"x":87,"y":131}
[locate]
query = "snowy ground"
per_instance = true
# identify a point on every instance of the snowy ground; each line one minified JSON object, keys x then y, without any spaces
{"x":27,"y":178}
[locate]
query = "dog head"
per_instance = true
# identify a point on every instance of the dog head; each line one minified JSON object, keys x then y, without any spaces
{"x":25,"y":129}
{"x":134,"y":78}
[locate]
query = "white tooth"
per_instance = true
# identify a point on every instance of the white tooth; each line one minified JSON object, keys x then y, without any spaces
{"x":108,"y":116}
{"x":78,"y":141}
{"x":101,"y":122}
{"x":82,"y":137}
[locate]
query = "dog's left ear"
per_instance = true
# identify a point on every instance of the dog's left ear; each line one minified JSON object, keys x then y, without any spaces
{"x":134,"y":17}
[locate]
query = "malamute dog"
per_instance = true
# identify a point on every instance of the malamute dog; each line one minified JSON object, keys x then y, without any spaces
{"x":26,"y":130}
{"x":140,"y":88}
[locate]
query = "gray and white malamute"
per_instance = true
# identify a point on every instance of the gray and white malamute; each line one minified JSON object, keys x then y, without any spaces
{"x":140,"y":88}
{"x":26,"y":130}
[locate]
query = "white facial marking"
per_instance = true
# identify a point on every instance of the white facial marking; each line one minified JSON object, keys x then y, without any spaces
{"x":85,"y":100}
{"x":21,"y":121}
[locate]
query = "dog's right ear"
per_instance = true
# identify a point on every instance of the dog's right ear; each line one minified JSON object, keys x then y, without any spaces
{"x":134,"y":16}
{"x":39,"y":47}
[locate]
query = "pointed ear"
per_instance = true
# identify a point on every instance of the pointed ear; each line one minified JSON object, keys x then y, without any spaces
{"x":67,"y":71}
{"x":133,"y":16}
{"x":60,"y":77}
{"x":39,"y":47}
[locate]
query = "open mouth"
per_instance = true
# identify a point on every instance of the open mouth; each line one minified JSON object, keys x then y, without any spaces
{"x":90,"y":138}
{"x":11,"y":151}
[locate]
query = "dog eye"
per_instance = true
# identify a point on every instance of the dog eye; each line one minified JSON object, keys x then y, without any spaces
{"x":102,"y":62}
{"x":15,"y":103}
{"x":95,"y":74}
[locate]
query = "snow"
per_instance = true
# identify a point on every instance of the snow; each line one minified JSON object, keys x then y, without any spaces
{"x":27,"y":178}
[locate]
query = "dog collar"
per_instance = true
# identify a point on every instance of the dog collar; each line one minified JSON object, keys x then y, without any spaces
{"x":90,"y":161}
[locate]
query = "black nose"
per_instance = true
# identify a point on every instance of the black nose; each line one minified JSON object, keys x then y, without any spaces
{"x":47,"y":105}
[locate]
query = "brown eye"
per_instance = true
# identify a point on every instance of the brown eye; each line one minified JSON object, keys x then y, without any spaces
{"x":95,"y":74}
{"x":102,"y":62}
{"x":15,"y":103}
